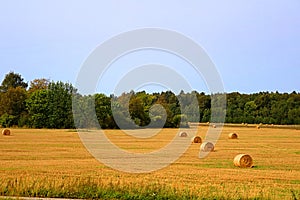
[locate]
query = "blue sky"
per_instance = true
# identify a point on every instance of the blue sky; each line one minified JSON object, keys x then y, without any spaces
{"x":254,"y":44}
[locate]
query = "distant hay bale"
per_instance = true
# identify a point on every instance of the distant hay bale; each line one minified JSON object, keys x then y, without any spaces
{"x":207,"y":147}
{"x":258,"y":127}
{"x":5,"y":132}
{"x":183,"y":134}
{"x":214,"y":126}
{"x":196,"y":139}
{"x":233,"y":136}
{"x":243,"y":160}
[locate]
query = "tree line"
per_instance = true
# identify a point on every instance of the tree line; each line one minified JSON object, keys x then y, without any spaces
{"x":48,"y":104}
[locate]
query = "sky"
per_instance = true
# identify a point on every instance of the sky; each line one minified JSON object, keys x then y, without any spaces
{"x":254,"y":45}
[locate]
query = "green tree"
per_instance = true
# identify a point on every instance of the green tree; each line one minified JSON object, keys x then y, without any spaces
{"x":38,"y":108}
{"x":60,"y":105}
{"x":171,"y":104}
{"x":204,"y":106}
{"x":206,"y":115}
{"x":138,"y":109}
{"x":250,"y":112}
{"x":189,"y":106}
{"x":7,"y":120}
{"x":294,"y":116}
{"x":12,"y":103}
{"x":103,"y":111}
{"x":83,"y":108}
{"x":121,"y":111}
{"x":12,"y":80}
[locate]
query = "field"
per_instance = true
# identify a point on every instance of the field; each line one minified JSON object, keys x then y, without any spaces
{"x":54,"y":163}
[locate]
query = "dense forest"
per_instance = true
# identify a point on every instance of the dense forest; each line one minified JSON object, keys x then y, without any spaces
{"x":47,"y":104}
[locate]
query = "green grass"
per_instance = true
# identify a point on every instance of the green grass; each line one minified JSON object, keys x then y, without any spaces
{"x":216,"y":164}
{"x":90,"y":189}
{"x":295,"y":181}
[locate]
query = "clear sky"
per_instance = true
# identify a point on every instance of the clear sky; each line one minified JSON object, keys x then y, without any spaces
{"x":255,"y":44}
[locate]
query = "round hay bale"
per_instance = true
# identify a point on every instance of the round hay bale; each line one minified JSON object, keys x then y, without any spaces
{"x":243,"y":160}
{"x":214,"y":126}
{"x":258,"y":127}
{"x":207,"y":147}
{"x":183,"y":134}
{"x":233,"y":136}
{"x":196,"y":139}
{"x":5,"y":132}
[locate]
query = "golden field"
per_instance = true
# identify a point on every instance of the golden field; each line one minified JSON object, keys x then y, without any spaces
{"x":54,"y":163}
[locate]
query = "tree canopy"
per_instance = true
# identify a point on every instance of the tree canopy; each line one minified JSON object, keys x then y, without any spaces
{"x":12,"y":80}
{"x":48,"y":104}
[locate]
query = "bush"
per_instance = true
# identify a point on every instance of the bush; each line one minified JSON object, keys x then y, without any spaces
{"x":7,"y":120}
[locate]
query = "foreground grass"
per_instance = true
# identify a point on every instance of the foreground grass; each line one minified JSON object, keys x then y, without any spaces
{"x":88,"y":188}
{"x":53,"y":163}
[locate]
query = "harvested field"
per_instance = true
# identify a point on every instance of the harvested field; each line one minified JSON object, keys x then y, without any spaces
{"x":54,"y":163}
